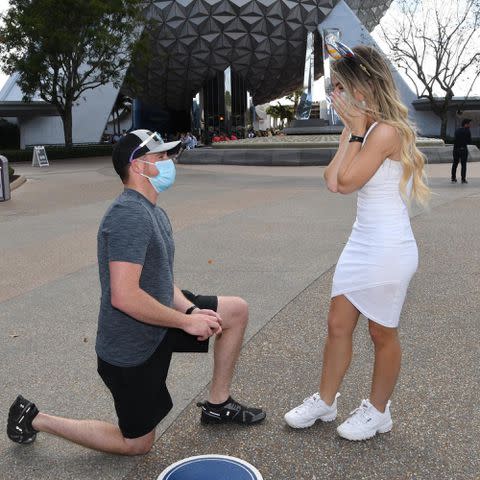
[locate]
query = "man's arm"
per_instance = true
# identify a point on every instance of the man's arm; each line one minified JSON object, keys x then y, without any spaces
{"x":127,"y":296}
{"x":182,"y":304}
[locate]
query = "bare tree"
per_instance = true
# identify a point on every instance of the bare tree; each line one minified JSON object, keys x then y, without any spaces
{"x":437,"y":44}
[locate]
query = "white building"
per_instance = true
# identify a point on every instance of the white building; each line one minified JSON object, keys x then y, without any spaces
{"x":266,"y":72}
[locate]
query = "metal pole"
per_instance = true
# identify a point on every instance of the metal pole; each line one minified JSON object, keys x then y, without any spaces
{"x":4,"y":180}
{"x":305,"y":104}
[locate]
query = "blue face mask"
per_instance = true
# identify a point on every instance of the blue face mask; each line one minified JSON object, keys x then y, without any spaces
{"x":165,"y":176}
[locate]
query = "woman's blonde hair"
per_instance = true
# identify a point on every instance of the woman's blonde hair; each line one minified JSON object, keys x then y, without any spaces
{"x":369,"y":74}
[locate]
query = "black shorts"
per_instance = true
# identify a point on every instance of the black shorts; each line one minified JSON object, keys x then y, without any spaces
{"x":180,"y":340}
{"x":140,"y":393}
{"x":208,"y":302}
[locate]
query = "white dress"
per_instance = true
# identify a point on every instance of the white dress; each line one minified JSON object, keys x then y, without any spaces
{"x":381,"y":254}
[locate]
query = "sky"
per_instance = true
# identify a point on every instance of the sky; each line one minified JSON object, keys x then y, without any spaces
{"x":391,"y":13}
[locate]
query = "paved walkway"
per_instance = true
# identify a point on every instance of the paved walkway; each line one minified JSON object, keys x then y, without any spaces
{"x":271,"y":235}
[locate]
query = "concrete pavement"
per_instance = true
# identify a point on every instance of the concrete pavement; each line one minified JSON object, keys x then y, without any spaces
{"x":271,"y":235}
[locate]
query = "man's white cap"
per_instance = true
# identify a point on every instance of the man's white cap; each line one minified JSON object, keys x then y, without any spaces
{"x":152,"y":141}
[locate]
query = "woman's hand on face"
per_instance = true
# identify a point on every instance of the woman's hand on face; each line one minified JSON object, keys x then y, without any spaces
{"x":352,"y":117}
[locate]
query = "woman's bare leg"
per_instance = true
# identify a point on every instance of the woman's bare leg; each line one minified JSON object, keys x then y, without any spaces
{"x":388,"y":357}
{"x":337,"y":353}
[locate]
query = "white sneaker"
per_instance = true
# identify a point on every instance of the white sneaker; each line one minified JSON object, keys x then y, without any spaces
{"x":365,"y":422}
{"x":312,"y":409}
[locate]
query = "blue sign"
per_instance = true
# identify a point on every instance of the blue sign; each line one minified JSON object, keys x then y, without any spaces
{"x":211,"y":467}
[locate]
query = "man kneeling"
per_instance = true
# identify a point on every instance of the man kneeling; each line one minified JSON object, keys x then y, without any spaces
{"x":144,"y":317}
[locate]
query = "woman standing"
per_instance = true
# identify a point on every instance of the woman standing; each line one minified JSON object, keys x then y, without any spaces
{"x":378,"y":158}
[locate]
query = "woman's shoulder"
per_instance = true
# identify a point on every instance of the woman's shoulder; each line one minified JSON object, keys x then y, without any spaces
{"x":386,"y":138}
{"x":385,"y":134}
{"x":384,"y":129}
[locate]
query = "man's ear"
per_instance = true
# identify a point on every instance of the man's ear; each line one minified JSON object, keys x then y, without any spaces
{"x":136,"y":166}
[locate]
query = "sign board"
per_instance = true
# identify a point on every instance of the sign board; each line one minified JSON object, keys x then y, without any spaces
{"x":211,"y":467}
{"x":39,"y":158}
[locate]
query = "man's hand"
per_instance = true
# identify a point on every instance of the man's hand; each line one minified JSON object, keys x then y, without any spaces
{"x":212,"y":313}
{"x":203,"y":324}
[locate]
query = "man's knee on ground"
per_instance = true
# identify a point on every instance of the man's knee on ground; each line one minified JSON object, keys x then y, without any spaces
{"x":139,"y":446}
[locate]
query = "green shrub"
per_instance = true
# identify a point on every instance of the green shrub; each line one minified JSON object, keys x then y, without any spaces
{"x":17,"y":155}
{"x":59,"y":151}
{"x":9,"y":135}
{"x":11,"y":172}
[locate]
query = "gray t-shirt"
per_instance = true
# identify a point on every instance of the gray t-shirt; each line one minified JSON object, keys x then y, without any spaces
{"x":133,"y":230}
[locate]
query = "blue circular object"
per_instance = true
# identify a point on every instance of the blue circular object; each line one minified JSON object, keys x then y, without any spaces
{"x":211,"y":467}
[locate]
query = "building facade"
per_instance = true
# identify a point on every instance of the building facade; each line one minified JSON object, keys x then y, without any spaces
{"x":212,"y":61}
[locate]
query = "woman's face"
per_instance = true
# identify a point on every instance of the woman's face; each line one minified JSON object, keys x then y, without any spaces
{"x":338,"y":88}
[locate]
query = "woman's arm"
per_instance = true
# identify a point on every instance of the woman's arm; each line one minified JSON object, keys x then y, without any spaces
{"x":360,"y":163}
{"x":330,"y":174}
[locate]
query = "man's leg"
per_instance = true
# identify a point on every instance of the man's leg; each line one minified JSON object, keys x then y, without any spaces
{"x":94,"y":434}
{"x":463,"y":159}
{"x":141,"y":401}
{"x":25,"y":421}
{"x":234,"y":313}
{"x":221,"y":407}
{"x":455,"y":165}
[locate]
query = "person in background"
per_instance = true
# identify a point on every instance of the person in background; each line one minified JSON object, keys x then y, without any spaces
{"x":462,"y":139}
{"x":190,"y":141}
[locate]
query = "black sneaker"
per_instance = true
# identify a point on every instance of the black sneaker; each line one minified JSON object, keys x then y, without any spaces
{"x":20,"y":416}
{"x":464,"y":181}
{"x":232,"y":411}
{"x":454,"y":180}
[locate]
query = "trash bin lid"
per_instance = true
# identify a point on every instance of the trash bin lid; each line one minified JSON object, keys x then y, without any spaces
{"x":211,"y":467}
